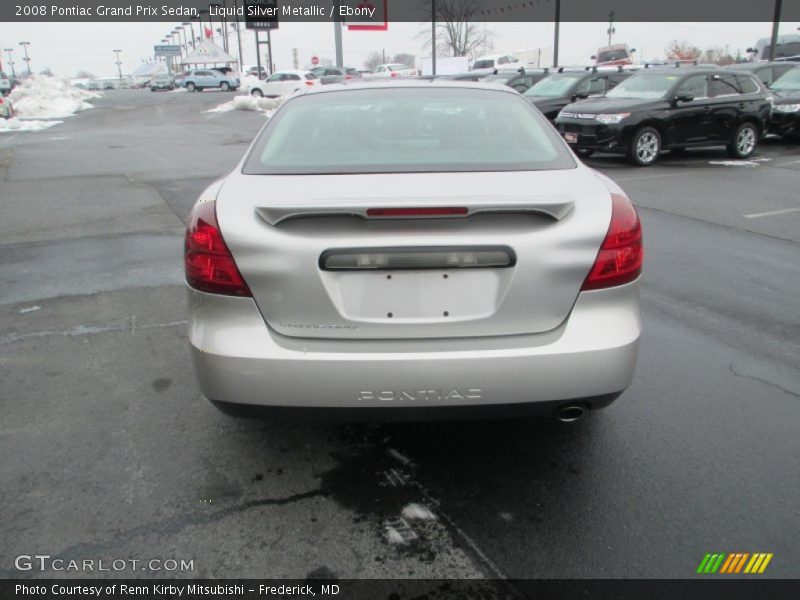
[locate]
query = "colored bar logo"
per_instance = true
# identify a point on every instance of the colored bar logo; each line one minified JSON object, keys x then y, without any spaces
{"x":736,"y":562}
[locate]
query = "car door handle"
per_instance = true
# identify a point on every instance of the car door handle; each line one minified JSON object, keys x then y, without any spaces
{"x":706,"y":108}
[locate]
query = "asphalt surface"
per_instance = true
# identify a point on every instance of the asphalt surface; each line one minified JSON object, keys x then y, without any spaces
{"x":109,"y":450}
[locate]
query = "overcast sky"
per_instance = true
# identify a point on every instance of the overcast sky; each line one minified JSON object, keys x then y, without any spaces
{"x":68,"y":47}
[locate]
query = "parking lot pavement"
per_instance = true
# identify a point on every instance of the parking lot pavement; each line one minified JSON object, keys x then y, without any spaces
{"x":112,"y":452}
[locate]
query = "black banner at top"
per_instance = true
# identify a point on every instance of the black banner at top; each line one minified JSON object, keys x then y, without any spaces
{"x":378,"y":11}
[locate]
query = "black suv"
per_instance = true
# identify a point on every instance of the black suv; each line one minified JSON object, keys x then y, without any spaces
{"x":555,"y":91}
{"x":786,"y":110}
{"x":671,"y":109}
{"x":767,"y":72}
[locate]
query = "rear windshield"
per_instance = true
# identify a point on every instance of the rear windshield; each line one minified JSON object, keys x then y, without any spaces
{"x":406,"y":130}
{"x":553,"y":86}
{"x":789,"y":81}
{"x":644,"y":87}
{"x":483,"y":64}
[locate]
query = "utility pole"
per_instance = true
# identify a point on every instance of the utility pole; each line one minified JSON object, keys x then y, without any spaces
{"x":8,"y":51}
{"x":119,"y":64}
{"x":337,"y":35}
{"x":295,"y":59}
{"x":191,"y":28}
{"x":433,"y":37}
{"x":776,"y":21}
{"x":611,"y":31}
{"x":27,"y":58}
{"x":239,"y":40}
{"x":555,"y":40}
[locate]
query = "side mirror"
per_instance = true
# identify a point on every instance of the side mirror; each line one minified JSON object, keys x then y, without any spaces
{"x":682,"y":98}
{"x":593,"y":57}
{"x":633,"y":50}
{"x":579,"y":96}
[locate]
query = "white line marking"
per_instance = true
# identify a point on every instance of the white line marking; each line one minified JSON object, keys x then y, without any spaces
{"x":771,"y":213}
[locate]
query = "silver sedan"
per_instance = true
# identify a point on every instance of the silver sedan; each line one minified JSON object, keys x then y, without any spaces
{"x":413,"y":250}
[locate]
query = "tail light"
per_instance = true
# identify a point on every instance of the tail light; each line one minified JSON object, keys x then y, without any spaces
{"x":619,"y":260}
{"x":394,"y":74}
{"x":208,"y":262}
{"x":348,"y":76}
{"x":309,"y":82}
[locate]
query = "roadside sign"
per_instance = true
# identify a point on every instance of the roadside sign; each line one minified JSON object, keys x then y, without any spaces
{"x":260,"y":14}
{"x":315,"y":60}
{"x":169,"y":50}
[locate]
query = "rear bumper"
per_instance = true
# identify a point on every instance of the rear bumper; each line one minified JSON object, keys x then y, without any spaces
{"x":590,"y":358}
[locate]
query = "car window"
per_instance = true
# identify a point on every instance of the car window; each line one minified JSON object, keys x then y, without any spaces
{"x":311,"y":76}
{"x":778,"y":71}
{"x":407,"y":130}
{"x":766,"y":75}
{"x":592,"y":85}
{"x":553,"y":86}
{"x":696,"y":85}
{"x":381,"y":69}
{"x":723,"y":85}
{"x":276,"y":77}
{"x":747,"y":84}
{"x":291,"y":77}
{"x":483,"y":64}
{"x":790,"y":81}
{"x":645,"y":86}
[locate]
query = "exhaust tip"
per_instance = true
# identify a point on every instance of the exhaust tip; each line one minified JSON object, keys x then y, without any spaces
{"x":570,"y":414}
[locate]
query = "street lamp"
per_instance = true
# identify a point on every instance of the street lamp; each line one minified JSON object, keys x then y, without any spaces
{"x":27,"y":58}
{"x":10,"y":61}
{"x":119,"y":65}
{"x":191,"y":28}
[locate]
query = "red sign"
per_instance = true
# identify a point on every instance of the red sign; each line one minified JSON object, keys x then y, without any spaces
{"x":379,"y":22}
{"x":315,"y":60}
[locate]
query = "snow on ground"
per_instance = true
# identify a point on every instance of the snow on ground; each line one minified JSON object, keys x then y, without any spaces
{"x":265,"y":105}
{"x":418,"y":511}
{"x":44,"y":97}
{"x":15,"y":125}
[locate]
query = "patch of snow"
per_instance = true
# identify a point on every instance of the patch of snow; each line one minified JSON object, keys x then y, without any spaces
{"x":399,"y":457}
{"x":178,"y":90}
{"x":265,"y":105}
{"x":15,"y":125}
{"x":45,"y":97}
{"x":418,"y":511}
{"x":29,"y":309}
{"x":734,"y":163}
{"x":398,"y":531}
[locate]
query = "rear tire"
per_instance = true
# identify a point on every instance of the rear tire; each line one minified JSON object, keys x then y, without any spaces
{"x":744,"y":141}
{"x":224,"y":86}
{"x":190,"y":87}
{"x":257,"y":93}
{"x":645,"y":147}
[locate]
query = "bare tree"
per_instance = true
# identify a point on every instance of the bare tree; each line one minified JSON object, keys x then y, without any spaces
{"x":718,"y":56}
{"x":682,"y":50}
{"x":373,"y":60}
{"x":456,"y":33}
{"x":405,"y":59}
{"x":46,"y":71}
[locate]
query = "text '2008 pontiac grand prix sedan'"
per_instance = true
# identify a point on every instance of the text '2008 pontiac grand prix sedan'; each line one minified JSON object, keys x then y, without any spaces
{"x":429,"y":248}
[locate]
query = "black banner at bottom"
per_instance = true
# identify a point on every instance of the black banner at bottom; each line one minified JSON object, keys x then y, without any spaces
{"x":402,"y":589}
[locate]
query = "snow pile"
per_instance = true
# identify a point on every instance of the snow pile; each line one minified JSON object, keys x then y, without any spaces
{"x":14,"y":125}
{"x":418,"y":511}
{"x":265,"y":105}
{"x":45,"y":97}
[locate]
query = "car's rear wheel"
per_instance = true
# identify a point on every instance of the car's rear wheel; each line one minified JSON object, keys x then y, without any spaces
{"x":190,"y":86}
{"x":257,"y":93}
{"x":744,"y":141}
{"x":645,"y":147}
{"x":224,"y":86}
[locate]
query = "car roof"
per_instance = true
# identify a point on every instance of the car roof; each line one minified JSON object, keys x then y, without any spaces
{"x":292,"y":71}
{"x":354,"y":85}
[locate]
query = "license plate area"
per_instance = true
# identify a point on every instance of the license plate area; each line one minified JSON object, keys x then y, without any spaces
{"x":416,"y":296}
{"x":571,"y":137}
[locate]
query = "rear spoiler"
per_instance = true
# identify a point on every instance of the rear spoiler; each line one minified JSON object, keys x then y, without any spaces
{"x":555,"y":208}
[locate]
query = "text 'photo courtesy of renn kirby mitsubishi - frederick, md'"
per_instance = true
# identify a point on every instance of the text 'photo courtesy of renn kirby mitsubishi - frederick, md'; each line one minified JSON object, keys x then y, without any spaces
{"x":388,"y":300}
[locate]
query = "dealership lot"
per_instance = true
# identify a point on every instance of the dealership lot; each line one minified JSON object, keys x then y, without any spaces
{"x":111,"y":452}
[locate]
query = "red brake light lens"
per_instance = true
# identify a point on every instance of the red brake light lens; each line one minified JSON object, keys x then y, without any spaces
{"x":208,"y":262}
{"x":619,"y":260}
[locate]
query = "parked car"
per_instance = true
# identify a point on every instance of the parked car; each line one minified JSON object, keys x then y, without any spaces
{"x":6,"y":108}
{"x":107,"y":85}
{"x":283,"y":83}
{"x":93,"y":85}
{"x":431,"y":251}
{"x":256,"y":72}
{"x":162,"y":83}
{"x":393,"y":70}
{"x":334,"y":74}
{"x":554,"y":92}
{"x":490,"y":63}
{"x":785,"y":119}
{"x":671,"y":109}
{"x":5,"y":84}
{"x":202,"y":79}
{"x":520,"y":81}
{"x":765,"y":71}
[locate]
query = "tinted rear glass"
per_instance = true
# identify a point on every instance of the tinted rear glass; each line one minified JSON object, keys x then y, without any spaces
{"x":554,"y":86}
{"x":407,"y":130}
{"x":644,"y":87}
{"x":483,"y":64}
